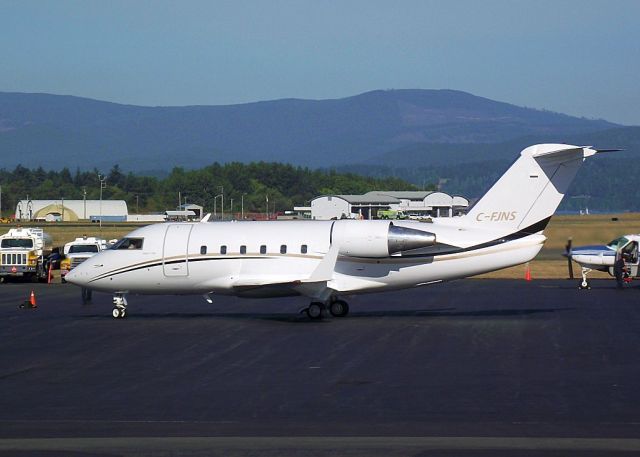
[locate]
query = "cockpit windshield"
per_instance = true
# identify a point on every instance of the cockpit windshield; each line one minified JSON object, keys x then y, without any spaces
{"x":617,"y":243}
{"x":129,"y":243}
{"x":24,"y":243}
{"x":76,"y":248}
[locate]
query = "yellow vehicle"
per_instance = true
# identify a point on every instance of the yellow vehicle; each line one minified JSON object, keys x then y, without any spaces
{"x":391,"y":214}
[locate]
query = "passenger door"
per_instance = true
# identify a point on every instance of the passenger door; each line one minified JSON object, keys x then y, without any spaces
{"x":175,"y":261}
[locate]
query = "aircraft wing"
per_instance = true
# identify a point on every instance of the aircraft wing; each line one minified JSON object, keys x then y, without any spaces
{"x":313,"y":285}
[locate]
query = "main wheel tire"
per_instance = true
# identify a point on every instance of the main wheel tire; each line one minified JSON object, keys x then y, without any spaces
{"x":339,"y":308}
{"x":116,"y":313}
{"x":314,"y":311}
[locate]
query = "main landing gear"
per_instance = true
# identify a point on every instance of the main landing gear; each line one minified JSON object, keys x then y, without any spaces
{"x":337,"y":308}
{"x":119,"y":306}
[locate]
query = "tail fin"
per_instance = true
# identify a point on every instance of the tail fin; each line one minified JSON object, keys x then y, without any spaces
{"x":528,"y":194}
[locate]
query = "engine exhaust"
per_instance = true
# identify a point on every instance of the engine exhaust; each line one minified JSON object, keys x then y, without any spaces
{"x":405,"y":239}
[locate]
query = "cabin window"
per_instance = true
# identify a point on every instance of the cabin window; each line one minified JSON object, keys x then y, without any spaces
{"x":283,"y":249}
{"x":129,"y":243}
{"x":223,"y":249}
{"x":303,"y":249}
{"x":263,"y":249}
{"x":243,"y":249}
{"x":203,"y":250}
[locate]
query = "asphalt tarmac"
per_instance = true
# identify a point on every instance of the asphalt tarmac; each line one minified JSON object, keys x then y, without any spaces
{"x":472,"y":367}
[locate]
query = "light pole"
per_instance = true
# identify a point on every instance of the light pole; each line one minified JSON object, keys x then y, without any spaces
{"x":242,"y":207}
{"x":215,"y":199}
{"x":84,"y":202}
{"x":103,"y":185}
{"x":0,"y":201}
{"x":231,"y":209}
{"x":222,"y":203}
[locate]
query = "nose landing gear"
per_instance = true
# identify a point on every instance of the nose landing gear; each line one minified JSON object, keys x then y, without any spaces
{"x":584,"y":283}
{"x":120,"y":306}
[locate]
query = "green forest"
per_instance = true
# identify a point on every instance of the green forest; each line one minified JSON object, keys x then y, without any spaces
{"x":284,"y":185}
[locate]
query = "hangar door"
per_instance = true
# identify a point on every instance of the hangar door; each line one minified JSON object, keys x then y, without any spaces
{"x":174,"y":251}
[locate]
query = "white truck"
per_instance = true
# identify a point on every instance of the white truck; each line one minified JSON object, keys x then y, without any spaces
{"x":79,"y":250}
{"x":22,"y":253}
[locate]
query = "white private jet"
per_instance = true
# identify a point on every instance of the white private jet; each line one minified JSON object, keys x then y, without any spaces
{"x":324,"y":260}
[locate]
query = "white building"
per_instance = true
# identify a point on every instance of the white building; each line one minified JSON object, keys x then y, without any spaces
{"x":71,"y":210}
{"x":413,"y":203}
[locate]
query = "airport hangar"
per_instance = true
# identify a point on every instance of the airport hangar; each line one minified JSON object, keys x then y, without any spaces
{"x":93,"y":210}
{"x":71,"y":210}
{"x":412,"y":203}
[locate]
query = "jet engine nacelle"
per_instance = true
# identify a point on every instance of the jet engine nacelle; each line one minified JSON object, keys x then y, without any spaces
{"x":377,"y":238}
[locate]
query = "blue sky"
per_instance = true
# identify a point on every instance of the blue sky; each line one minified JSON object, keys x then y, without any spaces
{"x":577,"y":57}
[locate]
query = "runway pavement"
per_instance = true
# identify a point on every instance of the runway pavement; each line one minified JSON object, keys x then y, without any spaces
{"x":473,"y":367}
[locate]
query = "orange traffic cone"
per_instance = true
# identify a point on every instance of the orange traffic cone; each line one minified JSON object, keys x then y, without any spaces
{"x":527,"y":273}
{"x":32,"y":300}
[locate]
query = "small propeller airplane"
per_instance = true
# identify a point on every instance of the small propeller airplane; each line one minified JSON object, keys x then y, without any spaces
{"x":619,"y":258}
{"x":327,"y":260}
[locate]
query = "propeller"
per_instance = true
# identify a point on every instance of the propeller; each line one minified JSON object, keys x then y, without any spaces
{"x":567,"y":254}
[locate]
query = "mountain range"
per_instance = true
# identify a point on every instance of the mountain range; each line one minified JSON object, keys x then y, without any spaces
{"x":386,"y":128}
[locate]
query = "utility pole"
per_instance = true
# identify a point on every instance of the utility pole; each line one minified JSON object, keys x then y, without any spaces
{"x":231,"y":208}
{"x":103,"y":185}
{"x":215,"y":200}
{"x":137,"y":204}
{"x":242,"y":207}
{"x":84,"y":202}
{"x":222,"y":205}
{"x":267,"y":205}
{"x":62,"y":204}
{"x":0,"y":201}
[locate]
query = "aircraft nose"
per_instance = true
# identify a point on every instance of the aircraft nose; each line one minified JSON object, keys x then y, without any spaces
{"x":73,"y":277}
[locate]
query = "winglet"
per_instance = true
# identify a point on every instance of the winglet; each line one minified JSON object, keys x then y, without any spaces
{"x":206,"y":218}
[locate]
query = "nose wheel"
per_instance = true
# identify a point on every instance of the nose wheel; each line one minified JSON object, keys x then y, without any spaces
{"x":119,"y":306}
{"x":584,"y":282}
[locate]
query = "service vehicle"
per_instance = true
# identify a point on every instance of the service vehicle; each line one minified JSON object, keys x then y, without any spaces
{"x":77,"y":251}
{"x":391,"y":214}
{"x":22,"y":253}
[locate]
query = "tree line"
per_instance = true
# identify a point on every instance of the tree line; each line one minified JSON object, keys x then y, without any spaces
{"x":283,"y":185}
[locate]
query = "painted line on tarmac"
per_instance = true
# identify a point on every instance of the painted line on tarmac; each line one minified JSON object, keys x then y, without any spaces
{"x":467,"y":443}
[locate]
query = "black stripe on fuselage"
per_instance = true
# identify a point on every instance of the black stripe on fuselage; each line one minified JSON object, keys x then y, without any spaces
{"x":444,"y":249}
